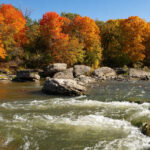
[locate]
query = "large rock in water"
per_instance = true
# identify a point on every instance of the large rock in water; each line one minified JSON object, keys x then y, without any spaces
{"x":63,"y":87}
{"x":27,"y":75}
{"x":146,"y":129}
{"x":136,"y":73}
{"x":67,"y":74}
{"x":54,"y":68}
{"x":81,"y":70}
{"x":104,"y":73}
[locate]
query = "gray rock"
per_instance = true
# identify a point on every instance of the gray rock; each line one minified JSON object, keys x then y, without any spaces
{"x":85,"y":79}
{"x":81,"y":70}
{"x":27,"y":75}
{"x":136,"y":73}
{"x":104,"y":73}
{"x":63,"y":87}
{"x":67,"y":74}
{"x":54,"y":68}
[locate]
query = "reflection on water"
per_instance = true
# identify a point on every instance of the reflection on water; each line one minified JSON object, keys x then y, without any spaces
{"x":103,"y":120}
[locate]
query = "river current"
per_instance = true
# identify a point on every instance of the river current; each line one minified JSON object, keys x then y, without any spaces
{"x":106,"y":119}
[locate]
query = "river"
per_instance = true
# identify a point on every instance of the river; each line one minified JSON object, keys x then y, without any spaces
{"x":102,"y":120}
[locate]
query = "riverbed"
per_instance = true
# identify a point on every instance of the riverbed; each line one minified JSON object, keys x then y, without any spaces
{"x":106,"y":119}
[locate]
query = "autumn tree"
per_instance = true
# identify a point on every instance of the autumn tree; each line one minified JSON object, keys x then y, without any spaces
{"x":70,"y":16}
{"x":2,"y":50}
{"x":11,"y":27}
{"x":146,"y":43}
{"x":86,"y":30}
{"x":133,"y":37}
{"x":111,"y":39}
{"x":60,"y":47}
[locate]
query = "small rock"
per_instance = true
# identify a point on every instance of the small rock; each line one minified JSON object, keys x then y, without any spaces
{"x":146,"y":129}
{"x":54,"y":68}
{"x":104,"y":73}
{"x":4,"y":77}
{"x":81,"y":70}
{"x":67,"y":74}
{"x":85,"y":79}
{"x":27,"y":75}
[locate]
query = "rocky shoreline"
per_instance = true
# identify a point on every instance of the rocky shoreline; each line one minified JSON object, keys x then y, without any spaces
{"x":74,"y":81}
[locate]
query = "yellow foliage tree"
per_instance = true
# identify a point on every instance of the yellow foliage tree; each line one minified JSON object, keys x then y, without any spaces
{"x":86,"y":30}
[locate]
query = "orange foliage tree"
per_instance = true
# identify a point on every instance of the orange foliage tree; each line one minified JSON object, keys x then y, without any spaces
{"x":60,"y":46}
{"x":2,"y":50}
{"x":147,"y":44}
{"x":133,"y":37}
{"x":12,"y":22}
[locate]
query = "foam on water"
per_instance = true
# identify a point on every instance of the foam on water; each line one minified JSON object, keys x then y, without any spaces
{"x":130,"y":137}
{"x":99,"y":123}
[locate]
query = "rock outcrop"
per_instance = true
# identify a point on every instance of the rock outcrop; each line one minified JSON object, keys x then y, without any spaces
{"x":67,"y":74}
{"x":27,"y":75}
{"x":81,"y":70}
{"x":67,"y":87}
{"x":136,"y":73}
{"x":54,"y":68}
{"x":104,"y":73}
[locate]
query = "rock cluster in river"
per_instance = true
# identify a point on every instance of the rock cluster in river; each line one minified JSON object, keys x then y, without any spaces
{"x":82,"y":75}
{"x":73,"y":81}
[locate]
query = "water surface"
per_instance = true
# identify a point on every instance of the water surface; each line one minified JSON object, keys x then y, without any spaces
{"x":103,"y":120}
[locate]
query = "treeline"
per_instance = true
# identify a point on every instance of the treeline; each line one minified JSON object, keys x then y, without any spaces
{"x":72,"y":39}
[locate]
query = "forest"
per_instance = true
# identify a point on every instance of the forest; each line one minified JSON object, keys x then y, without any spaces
{"x":71,"y":38}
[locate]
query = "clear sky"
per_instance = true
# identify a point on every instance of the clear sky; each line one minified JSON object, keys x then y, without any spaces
{"x":96,"y":9}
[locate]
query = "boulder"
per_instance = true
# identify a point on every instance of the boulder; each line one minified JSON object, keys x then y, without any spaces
{"x":85,"y":79}
{"x":104,"y":73}
{"x":136,"y":73}
{"x":146,"y":129}
{"x":54,"y":68}
{"x":27,"y":75}
{"x":81,"y":70}
{"x":67,"y":87}
{"x":67,"y":74}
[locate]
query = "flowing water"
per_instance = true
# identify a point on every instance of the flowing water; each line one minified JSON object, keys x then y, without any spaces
{"x":103,"y":120}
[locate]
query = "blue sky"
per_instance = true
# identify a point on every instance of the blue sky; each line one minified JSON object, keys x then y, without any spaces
{"x":96,"y":9}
